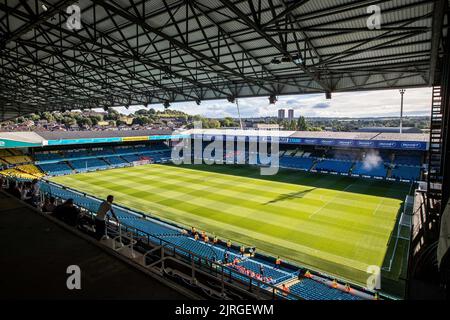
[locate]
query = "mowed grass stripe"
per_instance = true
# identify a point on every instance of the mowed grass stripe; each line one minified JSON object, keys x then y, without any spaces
{"x":190,"y":192}
{"x":231,"y":209}
{"x":235,"y":213}
{"x":332,"y":233}
{"x":257,"y":193}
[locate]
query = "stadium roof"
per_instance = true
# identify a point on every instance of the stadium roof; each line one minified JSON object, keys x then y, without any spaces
{"x":138,"y":52}
{"x":39,"y":136}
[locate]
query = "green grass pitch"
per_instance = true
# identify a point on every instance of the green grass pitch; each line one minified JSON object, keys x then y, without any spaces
{"x":339,"y":225}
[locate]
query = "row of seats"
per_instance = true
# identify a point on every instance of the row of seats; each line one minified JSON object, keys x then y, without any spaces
{"x":56,"y":169}
{"x":410,"y":160}
{"x":334,"y":166}
{"x":400,"y":172}
{"x":97,"y":152}
{"x":89,"y":164}
{"x":104,"y":159}
{"x":28,"y":171}
{"x":405,"y":172}
{"x":18,"y":159}
{"x":296,"y":162}
{"x":310,"y":289}
{"x":376,"y":170}
{"x":268,"y":271}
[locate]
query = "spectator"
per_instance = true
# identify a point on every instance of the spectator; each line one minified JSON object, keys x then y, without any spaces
{"x":225,"y":257}
{"x":26,"y":193}
{"x":35,"y":192}
{"x":100,"y":224}
{"x":277,"y":263}
{"x":285,"y":289}
{"x":49,"y":204}
{"x":14,"y":190}
{"x":67,"y":213}
{"x":261,"y":270}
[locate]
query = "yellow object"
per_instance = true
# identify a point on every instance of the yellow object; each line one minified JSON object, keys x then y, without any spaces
{"x":17,"y":159}
{"x":28,"y":171}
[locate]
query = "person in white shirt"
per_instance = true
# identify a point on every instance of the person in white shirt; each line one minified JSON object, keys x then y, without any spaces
{"x":100,"y":224}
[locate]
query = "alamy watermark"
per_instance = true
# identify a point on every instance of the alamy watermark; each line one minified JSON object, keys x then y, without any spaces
{"x":374,"y":20}
{"x":74,"y":279}
{"x":73,"y":22}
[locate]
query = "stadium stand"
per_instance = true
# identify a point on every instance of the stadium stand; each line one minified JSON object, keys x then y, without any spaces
{"x":268,"y":271}
{"x":56,"y":169}
{"x":131,"y":157}
{"x":28,"y":171}
{"x":48,"y":156}
{"x":103,"y":152}
{"x":5,"y":153}
{"x":89,"y":164}
{"x":17,"y":159}
{"x":314,"y":290}
{"x":334,"y":166}
{"x":363,"y":169}
{"x":76,"y":154}
{"x":411,"y":173}
{"x":296,"y":162}
{"x":116,"y":161}
{"x":410,"y":160}
{"x":348,"y":155}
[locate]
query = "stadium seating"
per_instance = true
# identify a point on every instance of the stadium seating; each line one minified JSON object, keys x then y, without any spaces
{"x":28,"y":171}
{"x":411,"y":160}
{"x":89,"y":165}
{"x":103,"y":152}
{"x":77,"y":154}
{"x":411,"y":173}
{"x":373,"y":171}
{"x":5,"y":153}
{"x":16,"y":152}
{"x":334,"y":166}
{"x":131,"y":157}
{"x":268,"y":271}
{"x":296,"y":162}
{"x":348,"y":155}
{"x":313,"y":290}
{"x":116,"y":161}
{"x":17,"y":159}
{"x":56,"y":169}
{"x":47,"y":156}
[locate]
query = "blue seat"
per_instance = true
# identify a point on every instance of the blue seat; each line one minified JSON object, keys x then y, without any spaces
{"x":334,"y":166}
{"x":411,"y":173}
{"x":372,"y":171}
{"x":56,"y":169}
{"x":296,"y":162}
{"x":313,"y":290}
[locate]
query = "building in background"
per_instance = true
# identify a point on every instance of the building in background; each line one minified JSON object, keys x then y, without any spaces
{"x":291,"y":114}
{"x":281,"y":114}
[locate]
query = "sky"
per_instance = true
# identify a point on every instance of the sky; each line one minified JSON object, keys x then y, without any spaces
{"x":384,"y":103}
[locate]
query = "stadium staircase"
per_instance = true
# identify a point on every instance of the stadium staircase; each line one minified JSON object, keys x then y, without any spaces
{"x":434,"y":184}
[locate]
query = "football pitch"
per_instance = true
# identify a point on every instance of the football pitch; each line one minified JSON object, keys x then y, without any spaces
{"x":339,"y":225}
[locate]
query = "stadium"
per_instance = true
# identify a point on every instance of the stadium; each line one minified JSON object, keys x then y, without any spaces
{"x":230,"y":214}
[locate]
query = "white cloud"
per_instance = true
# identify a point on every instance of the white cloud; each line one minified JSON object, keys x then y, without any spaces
{"x":347,"y":104}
